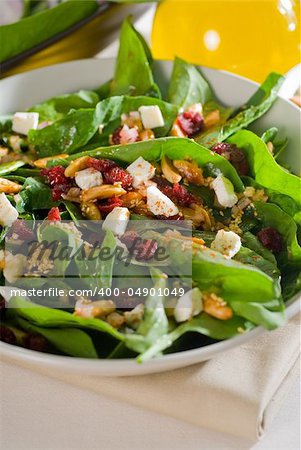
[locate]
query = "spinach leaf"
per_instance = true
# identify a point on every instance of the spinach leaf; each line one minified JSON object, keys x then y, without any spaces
{"x":71,"y":341}
{"x":273,"y":216}
{"x":278,"y":146}
{"x":203,"y":324}
{"x":248,"y":256}
{"x":258,"y":105}
{"x":79,"y":126}
{"x":57,"y":107}
{"x":264,"y":168}
{"x":34,"y":195}
{"x":291,"y":284}
{"x":133,"y":74}
{"x":44,"y":317}
{"x":188,"y":86}
{"x":26,"y":33}
{"x":252,"y":242}
{"x":154,"y":323}
{"x":10,"y":167}
{"x":174,"y":148}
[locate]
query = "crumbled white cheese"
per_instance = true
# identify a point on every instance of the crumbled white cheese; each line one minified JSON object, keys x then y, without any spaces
{"x":88,"y":178}
{"x":226,"y":242}
{"x":117,"y":221}
{"x":25,"y":121}
{"x":141,"y":171}
{"x":8,"y":214}
{"x":151,"y":116}
{"x":14,"y":266}
{"x":159,"y":204}
{"x":189,"y":305}
{"x":224,"y":191}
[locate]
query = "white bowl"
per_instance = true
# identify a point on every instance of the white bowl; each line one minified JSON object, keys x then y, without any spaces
{"x":24,"y":90}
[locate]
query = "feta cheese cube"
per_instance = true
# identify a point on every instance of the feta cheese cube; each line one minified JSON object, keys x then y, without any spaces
{"x":226,"y":242}
{"x":189,"y":305}
{"x":224,"y":191}
{"x":25,"y":121}
{"x":14,"y":267}
{"x":141,"y":171}
{"x":151,"y":116}
{"x":159,"y":204}
{"x":117,"y":221}
{"x":8,"y":214}
{"x":88,"y":178}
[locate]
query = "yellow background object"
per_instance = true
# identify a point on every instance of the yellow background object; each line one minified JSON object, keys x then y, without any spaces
{"x":248,"y":37}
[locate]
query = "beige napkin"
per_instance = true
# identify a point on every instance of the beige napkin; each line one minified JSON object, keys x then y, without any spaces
{"x":238,"y":393}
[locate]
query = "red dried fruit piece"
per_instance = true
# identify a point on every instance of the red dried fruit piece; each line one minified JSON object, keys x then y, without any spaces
{"x":103,"y":165}
{"x":54,"y":214}
{"x":190,"y":122}
{"x":118,"y":174}
{"x":109,"y":205}
{"x":182,"y":196}
{"x":175,"y":218}
{"x":34,"y":341}
{"x":19,"y":227}
{"x":271,"y":239}
{"x":115,"y":137}
{"x":57,"y":180}
{"x":233,"y":154}
{"x":7,"y":335}
{"x":141,"y":249}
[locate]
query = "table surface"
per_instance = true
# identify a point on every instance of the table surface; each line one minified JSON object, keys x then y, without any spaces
{"x":45,"y":414}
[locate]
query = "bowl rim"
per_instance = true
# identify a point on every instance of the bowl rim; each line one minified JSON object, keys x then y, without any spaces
{"x":129,"y":366}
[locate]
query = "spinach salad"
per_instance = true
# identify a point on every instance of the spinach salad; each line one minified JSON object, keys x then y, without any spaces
{"x":124,"y":165}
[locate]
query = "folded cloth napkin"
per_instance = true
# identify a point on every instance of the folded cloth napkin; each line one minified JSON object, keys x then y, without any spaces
{"x":238,"y":393}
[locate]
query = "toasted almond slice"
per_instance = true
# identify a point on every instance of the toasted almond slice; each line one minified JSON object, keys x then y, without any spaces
{"x":216,"y":307}
{"x":76,"y":165}
{"x":212,"y":119}
{"x":190,"y":171}
{"x":177,"y":131}
{"x":101,"y":192}
{"x":9,"y":187}
{"x":90,"y":211}
{"x":42,"y":163}
{"x":169,"y":171}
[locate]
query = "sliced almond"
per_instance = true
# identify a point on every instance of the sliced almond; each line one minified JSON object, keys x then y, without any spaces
{"x":177,"y":131}
{"x":190,"y":171}
{"x":42,"y":163}
{"x":9,"y":187}
{"x":212,"y":119}
{"x":169,"y":171}
{"x":131,"y":199}
{"x":216,"y":307}
{"x":76,"y":166}
{"x":101,"y":192}
{"x":90,"y":211}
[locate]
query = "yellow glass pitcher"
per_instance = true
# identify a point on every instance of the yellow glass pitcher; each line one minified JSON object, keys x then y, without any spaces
{"x":248,"y":37}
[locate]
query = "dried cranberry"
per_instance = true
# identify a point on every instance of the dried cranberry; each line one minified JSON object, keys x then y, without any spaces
{"x":115,"y":138}
{"x":103,"y":165}
{"x":34,"y":341}
{"x":142,"y":249}
{"x":118,"y":174}
{"x":175,"y":218}
{"x":271,"y":239}
{"x":57,"y":180}
{"x":7,"y":335}
{"x":20,"y":228}
{"x":54,"y":214}
{"x":235,"y":155}
{"x":190,"y":122}
{"x":182,"y":196}
{"x":109,"y":205}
